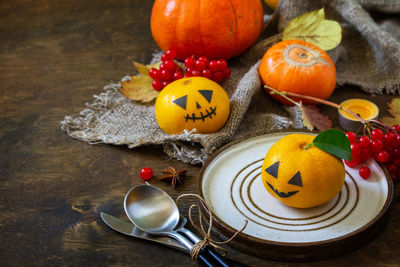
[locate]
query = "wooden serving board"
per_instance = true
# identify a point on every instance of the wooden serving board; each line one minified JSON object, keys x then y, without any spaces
{"x":230,"y":182}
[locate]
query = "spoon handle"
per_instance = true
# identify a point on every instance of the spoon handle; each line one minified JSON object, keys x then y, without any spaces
{"x":221,"y":260}
{"x":201,"y":258}
{"x":204,"y":261}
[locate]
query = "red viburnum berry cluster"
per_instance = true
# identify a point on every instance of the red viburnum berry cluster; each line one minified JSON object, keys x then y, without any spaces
{"x":383,"y":147}
{"x":169,"y":71}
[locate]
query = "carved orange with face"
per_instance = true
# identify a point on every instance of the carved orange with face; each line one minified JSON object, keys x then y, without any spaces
{"x":192,"y":103}
{"x":299,"y":177}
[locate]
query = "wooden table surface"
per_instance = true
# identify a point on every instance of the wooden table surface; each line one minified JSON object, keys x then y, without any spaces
{"x":54,"y":55}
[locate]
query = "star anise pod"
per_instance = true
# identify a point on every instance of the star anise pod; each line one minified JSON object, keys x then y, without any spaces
{"x":173,"y":176}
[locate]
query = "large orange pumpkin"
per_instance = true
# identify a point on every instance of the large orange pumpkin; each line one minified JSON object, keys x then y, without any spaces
{"x":212,"y":28}
{"x":299,"y":67}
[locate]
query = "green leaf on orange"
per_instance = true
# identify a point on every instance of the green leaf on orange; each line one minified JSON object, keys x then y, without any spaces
{"x":334,"y":142}
{"x":312,"y":27}
{"x":139,"y":87}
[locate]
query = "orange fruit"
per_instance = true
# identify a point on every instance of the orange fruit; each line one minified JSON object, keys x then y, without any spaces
{"x":192,"y":103}
{"x":298,"y":67}
{"x":299,"y":177}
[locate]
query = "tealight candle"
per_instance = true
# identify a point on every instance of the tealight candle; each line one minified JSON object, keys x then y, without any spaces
{"x":362,"y":107}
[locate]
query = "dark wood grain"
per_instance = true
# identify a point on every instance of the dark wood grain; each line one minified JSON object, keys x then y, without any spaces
{"x":54,"y":55}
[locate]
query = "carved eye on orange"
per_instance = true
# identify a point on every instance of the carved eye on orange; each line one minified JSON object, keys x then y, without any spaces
{"x":181,"y":101}
{"x":273,"y":171}
{"x":207,"y":94}
{"x":296,"y":180}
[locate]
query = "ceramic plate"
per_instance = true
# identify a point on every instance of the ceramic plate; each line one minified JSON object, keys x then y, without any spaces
{"x":231,"y":184}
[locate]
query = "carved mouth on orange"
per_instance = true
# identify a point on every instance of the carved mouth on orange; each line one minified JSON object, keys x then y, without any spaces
{"x":282,"y":194}
{"x":194,"y":117}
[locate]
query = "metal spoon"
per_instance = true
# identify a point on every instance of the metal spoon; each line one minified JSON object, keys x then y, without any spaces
{"x":153,"y":211}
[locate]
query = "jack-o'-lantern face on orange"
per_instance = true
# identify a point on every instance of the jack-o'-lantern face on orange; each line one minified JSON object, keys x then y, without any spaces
{"x":301,"y":176}
{"x":295,"y":181}
{"x":192,"y":103}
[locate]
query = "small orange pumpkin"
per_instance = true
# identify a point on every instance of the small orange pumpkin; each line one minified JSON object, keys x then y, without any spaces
{"x":299,"y":67}
{"x":212,"y":28}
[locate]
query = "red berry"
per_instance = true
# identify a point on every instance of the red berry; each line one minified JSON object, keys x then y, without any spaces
{"x":165,"y":83}
{"x":206,"y":74}
{"x":164,"y":57}
{"x":205,"y":59}
{"x":200,"y":65}
{"x":377,"y":145}
{"x":352,"y":137}
{"x":195,"y":73}
{"x":355,"y":149}
{"x":392,"y":169}
{"x":222,"y":64}
{"x":365,"y":154}
{"x":376,"y":134}
{"x":364,"y":141}
{"x":157,"y":85}
{"x":396,"y":153}
{"x":146,"y":173}
{"x":383,"y":156}
{"x":396,"y":127}
{"x":364,"y":172}
{"x":154,"y":73}
{"x":162,"y":67}
{"x":165,"y":75}
{"x":213,"y":65}
{"x":397,"y":140}
{"x":217,"y":76}
{"x":397,"y":163}
{"x":226,"y":73}
{"x":388,"y":139}
{"x":189,"y":62}
{"x":189,"y":70}
{"x":352,"y":163}
{"x":170,"y":54}
{"x":177,"y":75}
{"x":170,"y":65}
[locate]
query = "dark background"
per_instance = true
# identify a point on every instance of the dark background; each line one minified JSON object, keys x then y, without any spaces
{"x":54,"y":55}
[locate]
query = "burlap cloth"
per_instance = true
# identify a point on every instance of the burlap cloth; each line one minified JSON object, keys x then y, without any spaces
{"x":368,"y":56}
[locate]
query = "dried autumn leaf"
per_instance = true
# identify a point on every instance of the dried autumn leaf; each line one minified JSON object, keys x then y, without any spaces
{"x":394,"y":109}
{"x":312,"y":27}
{"x":139,"y":87}
{"x":313,"y":118}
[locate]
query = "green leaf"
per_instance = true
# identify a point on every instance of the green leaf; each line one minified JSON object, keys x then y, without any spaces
{"x":334,"y":142}
{"x":312,"y":27}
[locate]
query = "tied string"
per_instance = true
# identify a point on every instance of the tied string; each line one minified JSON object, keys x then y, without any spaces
{"x":207,"y":239}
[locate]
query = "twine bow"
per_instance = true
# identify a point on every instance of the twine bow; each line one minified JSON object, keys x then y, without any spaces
{"x":207,"y":239}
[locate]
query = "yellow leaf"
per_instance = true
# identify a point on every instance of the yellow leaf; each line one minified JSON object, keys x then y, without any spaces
{"x":394,"y":109}
{"x":312,"y":27}
{"x":139,"y":87}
